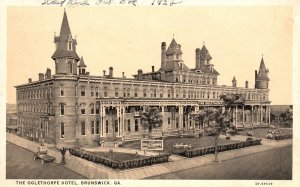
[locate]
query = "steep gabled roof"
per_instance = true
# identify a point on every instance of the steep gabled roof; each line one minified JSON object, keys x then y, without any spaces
{"x":62,"y":41}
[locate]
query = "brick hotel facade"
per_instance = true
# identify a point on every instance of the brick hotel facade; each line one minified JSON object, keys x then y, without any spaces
{"x":71,"y":107}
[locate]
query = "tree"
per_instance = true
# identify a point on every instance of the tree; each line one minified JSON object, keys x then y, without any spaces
{"x":219,"y":120}
{"x":151,"y":119}
{"x":287,"y":117}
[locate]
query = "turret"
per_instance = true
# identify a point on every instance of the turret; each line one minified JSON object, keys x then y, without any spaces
{"x":82,"y":67}
{"x":234,"y":82}
{"x":261,"y":77}
{"x":65,"y":55}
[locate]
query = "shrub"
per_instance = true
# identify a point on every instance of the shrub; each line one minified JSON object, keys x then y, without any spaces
{"x":208,"y":150}
{"x":139,"y":162}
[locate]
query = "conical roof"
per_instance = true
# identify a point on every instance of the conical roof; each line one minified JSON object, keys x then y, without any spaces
{"x":174,"y":48}
{"x":81,"y":63}
{"x":204,"y":54}
{"x":62,"y":41}
{"x":234,"y":80}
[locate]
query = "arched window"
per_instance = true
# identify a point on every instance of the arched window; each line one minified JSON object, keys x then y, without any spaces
{"x":70,"y":66}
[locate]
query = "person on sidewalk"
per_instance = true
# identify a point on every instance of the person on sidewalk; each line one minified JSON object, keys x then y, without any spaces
{"x":63,"y":152}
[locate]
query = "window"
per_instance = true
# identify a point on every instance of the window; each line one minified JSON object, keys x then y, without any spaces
{"x":169,"y":121}
{"x":161,"y":95}
{"x":62,"y":130}
{"x":135,"y":93}
{"x":106,"y":126}
{"x":169,"y":93}
{"x":136,"y":125}
{"x":61,"y":90}
{"x":116,"y":92}
{"x":70,"y":66}
{"x":82,"y":109}
{"x":97,"y":91}
{"x":92,"y":91}
{"x":97,"y":127}
{"x":128,"y":125}
{"x":82,"y":128}
{"x":83,"y":91}
{"x":145,"y":92}
{"x":105,"y":91}
{"x":128,"y":92}
{"x":92,"y":127}
{"x":92,"y":109}
{"x":62,"y":109}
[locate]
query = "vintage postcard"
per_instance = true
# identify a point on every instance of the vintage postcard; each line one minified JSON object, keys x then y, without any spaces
{"x":132,"y":92}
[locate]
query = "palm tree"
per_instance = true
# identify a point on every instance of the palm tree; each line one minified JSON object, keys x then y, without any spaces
{"x":151,"y":119}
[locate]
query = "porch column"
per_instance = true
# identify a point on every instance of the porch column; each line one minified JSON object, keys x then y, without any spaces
{"x":269,"y":112}
{"x":162,"y":116}
{"x":252,"y":114}
{"x":102,"y":112}
{"x":180,"y":111}
{"x":266,"y":119}
{"x":123,"y":120}
{"x":243,"y":115}
{"x":236,"y":115}
{"x":261,"y":108}
{"x":119,"y":120}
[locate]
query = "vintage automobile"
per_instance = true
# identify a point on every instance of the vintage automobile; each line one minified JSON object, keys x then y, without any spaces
{"x":182,"y":146}
{"x":42,"y":154}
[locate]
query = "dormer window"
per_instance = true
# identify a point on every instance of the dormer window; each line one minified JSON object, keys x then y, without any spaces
{"x":70,"y":44}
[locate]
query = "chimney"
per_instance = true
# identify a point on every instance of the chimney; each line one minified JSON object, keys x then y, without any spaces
{"x":246,"y":84}
{"x":110,"y":74}
{"x":152,"y":68}
{"x":48,"y":73}
{"x":163,"y":55}
{"x":198,"y":58}
{"x":41,"y":76}
{"x":30,"y":80}
{"x":123,"y":75}
{"x":104,"y":72}
{"x":139,"y":75}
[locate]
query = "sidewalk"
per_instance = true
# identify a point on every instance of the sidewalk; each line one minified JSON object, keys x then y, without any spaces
{"x":95,"y":171}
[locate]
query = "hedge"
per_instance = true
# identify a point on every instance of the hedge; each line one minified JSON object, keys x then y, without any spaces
{"x":140,"y":162}
{"x":209,"y":150}
{"x":282,"y":136}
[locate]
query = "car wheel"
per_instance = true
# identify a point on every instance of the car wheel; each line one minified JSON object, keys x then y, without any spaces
{"x":34,"y":157}
{"x":43,"y":161}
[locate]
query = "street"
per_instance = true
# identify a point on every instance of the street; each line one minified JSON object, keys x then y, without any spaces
{"x":20,"y":165}
{"x":274,"y":164}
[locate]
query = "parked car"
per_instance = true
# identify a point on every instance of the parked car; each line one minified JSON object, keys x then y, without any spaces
{"x":42,"y":154}
{"x":182,"y":146}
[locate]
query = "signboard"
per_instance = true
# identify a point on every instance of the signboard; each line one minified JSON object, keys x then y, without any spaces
{"x":152,"y":145}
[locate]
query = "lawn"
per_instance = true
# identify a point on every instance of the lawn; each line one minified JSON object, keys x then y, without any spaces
{"x":119,"y":156}
{"x":207,"y":141}
{"x":261,"y":133}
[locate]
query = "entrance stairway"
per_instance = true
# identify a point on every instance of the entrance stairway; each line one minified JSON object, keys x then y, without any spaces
{"x":109,"y":142}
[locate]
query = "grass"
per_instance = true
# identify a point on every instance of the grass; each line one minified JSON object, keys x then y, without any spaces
{"x":118,"y":156}
{"x":262,"y":133}
{"x":207,"y":141}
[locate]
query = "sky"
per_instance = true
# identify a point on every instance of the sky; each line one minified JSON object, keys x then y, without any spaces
{"x":129,"y":38}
